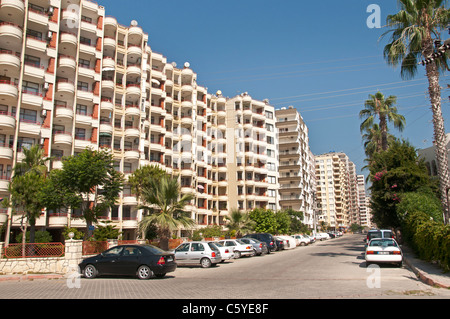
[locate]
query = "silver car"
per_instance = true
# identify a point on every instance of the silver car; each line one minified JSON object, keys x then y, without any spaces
{"x":198,"y":253}
{"x":259,"y":247}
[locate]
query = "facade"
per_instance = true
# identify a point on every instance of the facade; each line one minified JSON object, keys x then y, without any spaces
{"x":336,"y":190}
{"x":72,"y":77}
{"x":296,"y":176}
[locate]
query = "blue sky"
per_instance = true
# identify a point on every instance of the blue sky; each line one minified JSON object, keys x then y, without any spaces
{"x":319,"y":56}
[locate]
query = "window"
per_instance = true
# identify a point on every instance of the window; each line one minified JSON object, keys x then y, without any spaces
{"x":28,"y":115}
{"x":83,"y":86}
{"x":183,"y":247}
{"x":269,"y":115}
{"x":84,"y":63}
{"x":116,"y":251}
{"x":81,"y":109}
{"x":80,"y":133}
{"x":30,"y":87}
{"x":197,"y":247}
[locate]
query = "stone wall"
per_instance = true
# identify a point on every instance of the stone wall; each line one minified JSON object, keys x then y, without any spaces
{"x":45,"y":265}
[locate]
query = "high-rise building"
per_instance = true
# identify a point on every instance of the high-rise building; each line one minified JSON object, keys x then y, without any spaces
{"x":296,"y":177}
{"x":336,"y":189}
{"x":72,"y":77}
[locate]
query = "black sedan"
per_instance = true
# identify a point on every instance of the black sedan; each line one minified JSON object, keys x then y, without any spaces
{"x":143,"y":261}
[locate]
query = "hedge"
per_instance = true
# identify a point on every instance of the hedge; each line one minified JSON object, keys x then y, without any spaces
{"x":429,"y":239}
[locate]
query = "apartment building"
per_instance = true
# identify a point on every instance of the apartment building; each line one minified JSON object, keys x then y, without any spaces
{"x":247,"y":127}
{"x":364,"y":218}
{"x":72,"y":77}
{"x":296,"y":177}
{"x":336,"y":191}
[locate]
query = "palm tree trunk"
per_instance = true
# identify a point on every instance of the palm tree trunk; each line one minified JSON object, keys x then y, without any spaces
{"x":439,"y":135}
{"x":383,"y":128}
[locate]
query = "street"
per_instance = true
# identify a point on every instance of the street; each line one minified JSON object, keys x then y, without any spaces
{"x":330,"y":269}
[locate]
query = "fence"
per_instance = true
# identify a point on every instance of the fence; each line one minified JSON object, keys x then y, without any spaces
{"x":34,"y":250}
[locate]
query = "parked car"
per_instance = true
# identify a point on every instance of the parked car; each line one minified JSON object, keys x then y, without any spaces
{"x":239,"y":247}
{"x":265,"y":237}
{"x":312,"y":238}
{"x":259,"y":247}
{"x":225,"y":252}
{"x":289,"y":242}
{"x":302,"y":240}
{"x":202,"y":253}
{"x":322,"y":236}
{"x":332,"y":235}
{"x":143,"y":261}
{"x":281,"y":243}
{"x":383,"y":250}
{"x":378,"y":233}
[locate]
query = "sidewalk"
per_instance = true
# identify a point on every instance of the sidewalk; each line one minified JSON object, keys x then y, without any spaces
{"x":427,"y":272}
{"x":19,"y":277}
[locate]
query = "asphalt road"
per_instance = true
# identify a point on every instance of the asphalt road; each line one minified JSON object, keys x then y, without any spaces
{"x":325,"y":270}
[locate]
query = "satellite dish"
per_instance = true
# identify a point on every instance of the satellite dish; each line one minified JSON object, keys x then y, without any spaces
{"x":187,"y":64}
{"x":134,"y":23}
{"x":219,"y":92}
{"x":174,"y":64}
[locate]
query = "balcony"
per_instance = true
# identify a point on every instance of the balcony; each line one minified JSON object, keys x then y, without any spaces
{"x":131,"y":154}
{"x":67,"y":64}
{"x":69,"y":39}
{"x":6,"y":152}
{"x":9,"y":61}
{"x":8,"y":91}
{"x":63,"y":112}
{"x":13,"y":8}
{"x":7,"y":121}
{"x":132,"y":110}
{"x":10,"y":34}
{"x":62,"y":138}
{"x":133,"y":91}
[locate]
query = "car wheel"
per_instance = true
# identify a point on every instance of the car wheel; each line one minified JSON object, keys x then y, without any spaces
{"x":144,"y":272}
{"x":400,"y":264}
{"x":237,"y":254}
{"x":302,"y":244}
{"x":90,"y":272}
{"x":205,"y":263}
{"x":254,"y":253}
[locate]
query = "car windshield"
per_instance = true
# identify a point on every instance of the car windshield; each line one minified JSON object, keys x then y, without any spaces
{"x":240,"y":242}
{"x":376,"y":234}
{"x":153,"y":249}
{"x":218,"y":244}
{"x":383,"y":243}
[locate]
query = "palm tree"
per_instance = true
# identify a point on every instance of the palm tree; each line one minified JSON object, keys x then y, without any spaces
{"x":239,"y":221}
{"x":386,"y":111}
{"x":414,"y":29}
{"x":165,"y":205}
{"x":26,"y":182}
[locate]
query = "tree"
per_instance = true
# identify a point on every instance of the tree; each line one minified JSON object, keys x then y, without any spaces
{"x":142,"y":177}
{"x":383,"y":108}
{"x":265,"y":220}
{"x":393,"y":173}
{"x":91,"y":178}
{"x":296,"y":225}
{"x":240,"y":222}
{"x":29,"y":178}
{"x":283,"y":222}
{"x":414,"y":30}
{"x":165,"y":204}
{"x":25,"y":196}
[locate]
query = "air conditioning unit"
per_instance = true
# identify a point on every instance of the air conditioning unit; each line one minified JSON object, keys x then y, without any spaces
{"x":44,"y":113}
{"x":46,"y":85}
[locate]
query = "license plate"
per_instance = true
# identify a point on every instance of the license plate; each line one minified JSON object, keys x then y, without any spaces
{"x":169,"y":259}
{"x":383,"y":253}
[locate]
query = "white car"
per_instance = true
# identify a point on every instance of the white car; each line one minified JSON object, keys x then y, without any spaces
{"x":322,"y":236}
{"x":302,"y":240}
{"x":239,"y":247}
{"x":383,"y":250}
{"x":289,"y":242}
{"x":226,"y":252}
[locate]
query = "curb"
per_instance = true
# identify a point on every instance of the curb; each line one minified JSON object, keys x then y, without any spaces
{"x":425,"y":277}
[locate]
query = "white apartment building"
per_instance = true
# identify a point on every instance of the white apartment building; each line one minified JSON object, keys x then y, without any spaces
{"x":72,"y":77}
{"x":335,"y":190}
{"x":296,"y":177}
